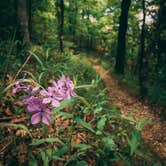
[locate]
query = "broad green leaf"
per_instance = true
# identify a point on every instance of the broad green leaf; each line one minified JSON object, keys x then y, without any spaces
{"x":98,"y":132}
{"x":109,"y":141}
{"x":101,"y":123}
{"x":97,"y":110}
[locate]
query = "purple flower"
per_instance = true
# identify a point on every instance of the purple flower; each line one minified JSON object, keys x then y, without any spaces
{"x":38,"y":110}
{"x":20,"y":86}
{"x":33,"y":104}
{"x":65,"y":87}
{"x":50,"y":96}
{"x":30,"y":93}
{"x":43,"y":115}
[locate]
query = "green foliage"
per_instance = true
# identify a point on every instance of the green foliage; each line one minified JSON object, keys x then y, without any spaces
{"x":106,"y":137}
{"x":84,"y":124}
{"x":46,"y":140}
{"x":90,"y":114}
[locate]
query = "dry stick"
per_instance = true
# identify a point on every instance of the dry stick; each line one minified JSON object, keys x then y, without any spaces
{"x":21,"y":68}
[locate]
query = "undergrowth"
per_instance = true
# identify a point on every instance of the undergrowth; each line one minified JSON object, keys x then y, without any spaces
{"x":86,"y":130}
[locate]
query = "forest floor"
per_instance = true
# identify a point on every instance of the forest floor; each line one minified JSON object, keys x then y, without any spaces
{"x":153,"y":135}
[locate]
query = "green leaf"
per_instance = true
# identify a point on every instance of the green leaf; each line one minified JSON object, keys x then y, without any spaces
{"x":63,"y":150}
{"x":44,"y":159}
{"x":128,"y":118}
{"x":16,"y":125}
{"x":40,"y":76}
{"x":109,"y":141}
{"x":84,"y":124}
{"x":64,"y":104}
{"x":29,"y":73}
{"x":142,"y":123}
{"x":134,"y":141}
{"x":98,"y":132}
{"x":83,"y":100}
{"x":81,"y":146}
{"x":98,"y":110}
{"x":37,"y":58}
{"x":67,"y":115}
{"x":47,"y":53}
{"x":83,"y":86}
{"x":46,"y":140}
{"x":101,"y":123}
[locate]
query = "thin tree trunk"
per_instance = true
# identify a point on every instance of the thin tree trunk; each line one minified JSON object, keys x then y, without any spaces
{"x":23,"y":21}
{"x":72,"y":16}
{"x":60,"y":18}
{"x":161,"y":25}
{"x":121,"y":47}
{"x":30,"y":18}
{"x":142,"y":57}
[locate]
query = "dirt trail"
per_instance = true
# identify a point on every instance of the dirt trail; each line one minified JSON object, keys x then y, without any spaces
{"x":154,"y":136}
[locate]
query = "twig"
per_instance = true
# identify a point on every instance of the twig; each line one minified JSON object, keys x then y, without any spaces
{"x":21,"y":68}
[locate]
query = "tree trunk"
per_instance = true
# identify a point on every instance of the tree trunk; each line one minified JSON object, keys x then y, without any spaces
{"x":60,"y":18}
{"x":23,"y":22}
{"x":30,"y":18}
{"x":161,"y":25}
{"x":121,"y":47}
{"x":72,"y":16}
{"x":143,"y":67}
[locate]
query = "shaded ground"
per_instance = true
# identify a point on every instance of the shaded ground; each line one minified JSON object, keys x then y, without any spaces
{"x":154,"y":135}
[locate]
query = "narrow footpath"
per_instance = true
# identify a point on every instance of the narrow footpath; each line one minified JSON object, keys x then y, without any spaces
{"x":154,"y":135}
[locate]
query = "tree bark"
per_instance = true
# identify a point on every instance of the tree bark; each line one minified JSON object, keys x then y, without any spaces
{"x":22,"y":16}
{"x":143,"y":67}
{"x":121,"y":47}
{"x":161,"y":26}
{"x":30,"y":18}
{"x":60,"y":18}
{"x":72,"y":16}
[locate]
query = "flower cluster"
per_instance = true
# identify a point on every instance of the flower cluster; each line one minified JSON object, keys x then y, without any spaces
{"x":40,"y":103}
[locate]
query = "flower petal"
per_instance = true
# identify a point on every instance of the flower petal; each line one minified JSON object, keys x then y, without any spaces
{"x":46,"y":100}
{"x":44,"y":93}
{"x":51,"y":90}
{"x":35,"y":89}
{"x":48,"y":111}
{"x":73,"y":94}
{"x":14,"y":90}
{"x":55,"y":103}
{"x":36,"y":118}
{"x":46,"y":118}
